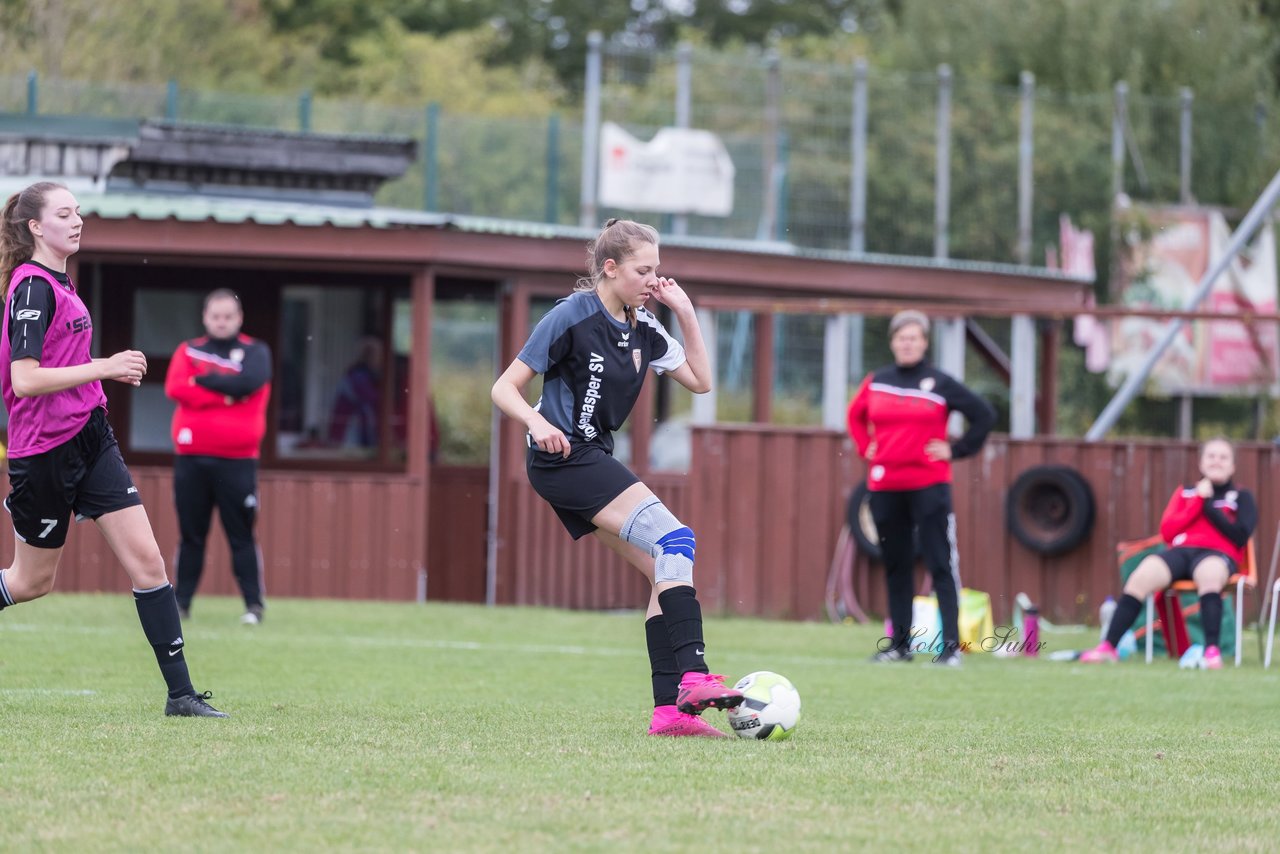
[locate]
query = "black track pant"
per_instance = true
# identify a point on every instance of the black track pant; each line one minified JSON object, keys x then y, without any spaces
{"x":898,"y":515}
{"x":199,"y":483}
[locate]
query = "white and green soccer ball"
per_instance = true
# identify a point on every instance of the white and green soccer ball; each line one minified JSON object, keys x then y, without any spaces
{"x":770,"y":707}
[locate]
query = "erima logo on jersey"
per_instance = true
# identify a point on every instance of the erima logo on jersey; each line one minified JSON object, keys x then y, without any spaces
{"x":28,"y":314}
{"x":626,"y":337}
{"x":184,"y":436}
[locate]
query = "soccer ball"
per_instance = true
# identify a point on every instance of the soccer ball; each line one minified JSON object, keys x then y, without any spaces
{"x":770,"y":707}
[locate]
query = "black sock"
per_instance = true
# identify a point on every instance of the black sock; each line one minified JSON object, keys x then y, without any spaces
{"x":662,"y":662}
{"x":5,"y":599}
{"x":683,"y":616}
{"x":158,"y":612}
{"x":1126,"y":612}
{"x":1211,"y":618}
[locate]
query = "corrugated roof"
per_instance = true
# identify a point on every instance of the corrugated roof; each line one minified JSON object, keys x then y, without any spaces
{"x":199,"y":208}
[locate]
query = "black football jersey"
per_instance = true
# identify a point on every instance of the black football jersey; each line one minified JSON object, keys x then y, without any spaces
{"x":594,"y":365}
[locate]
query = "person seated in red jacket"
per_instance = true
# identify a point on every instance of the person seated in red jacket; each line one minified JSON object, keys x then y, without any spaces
{"x":1207,"y":526}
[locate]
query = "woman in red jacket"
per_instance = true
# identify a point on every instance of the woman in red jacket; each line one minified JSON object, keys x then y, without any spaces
{"x":1207,"y":526}
{"x":898,"y":419}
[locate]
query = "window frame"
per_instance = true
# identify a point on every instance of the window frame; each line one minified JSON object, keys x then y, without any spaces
{"x":261,"y":289}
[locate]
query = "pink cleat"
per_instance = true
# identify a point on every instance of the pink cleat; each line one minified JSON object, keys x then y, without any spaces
{"x":668,"y":720}
{"x":699,"y":691}
{"x":1212,"y":659}
{"x":1102,"y":652}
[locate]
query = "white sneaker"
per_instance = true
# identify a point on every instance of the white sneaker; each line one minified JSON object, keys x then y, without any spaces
{"x":253,"y":616}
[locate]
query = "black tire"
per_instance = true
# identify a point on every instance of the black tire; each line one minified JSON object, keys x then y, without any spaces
{"x":1050,"y":509}
{"x":861,"y":525}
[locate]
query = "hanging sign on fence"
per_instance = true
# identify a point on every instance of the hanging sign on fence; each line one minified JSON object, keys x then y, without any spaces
{"x":679,"y":171}
{"x":1165,"y":253}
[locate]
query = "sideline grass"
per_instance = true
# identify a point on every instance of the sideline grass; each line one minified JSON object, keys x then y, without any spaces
{"x":374,"y":726}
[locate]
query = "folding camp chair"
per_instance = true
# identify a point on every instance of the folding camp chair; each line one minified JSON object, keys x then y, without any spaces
{"x":1271,"y":625}
{"x":1172,"y":621}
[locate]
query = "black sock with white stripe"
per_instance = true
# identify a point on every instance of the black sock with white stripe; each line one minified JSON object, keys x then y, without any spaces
{"x":683,"y":616}
{"x":5,"y":599}
{"x":158,"y":611}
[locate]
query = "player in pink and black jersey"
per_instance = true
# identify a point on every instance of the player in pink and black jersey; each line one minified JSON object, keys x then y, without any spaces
{"x":63,"y":457}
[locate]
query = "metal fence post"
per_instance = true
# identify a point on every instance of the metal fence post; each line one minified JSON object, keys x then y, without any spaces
{"x":858,"y":142}
{"x":171,"y":101}
{"x":304,"y":111}
{"x":684,"y":110}
{"x":835,"y":371}
{"x":1184,"y":148}
{"x":942,"y":165}
{"x":33,"y":93}
{"x":1117,"y":138}
{"x":1022,"y":377}
{"x":587,"y":201}
{"x":553,"y":168}
{"x":783,"y":185}
{"x":1026,"y":151}
{"x":765,"y":229}
{"x":430,"y":154}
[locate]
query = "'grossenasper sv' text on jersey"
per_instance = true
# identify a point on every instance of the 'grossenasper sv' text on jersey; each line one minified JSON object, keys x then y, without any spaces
{"x":594,"y":365}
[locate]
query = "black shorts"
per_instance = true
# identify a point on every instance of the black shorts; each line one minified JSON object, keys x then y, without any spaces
{"x":579,"y":487}
{"x":1182,"y":562}
{"x":85,"y":475}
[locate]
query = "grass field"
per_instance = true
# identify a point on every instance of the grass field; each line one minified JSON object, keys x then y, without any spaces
{"x":369,"y":726}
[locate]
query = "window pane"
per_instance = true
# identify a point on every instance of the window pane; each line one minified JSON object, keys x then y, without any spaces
{"x":671,"y":444}
{"x":164,"y":319}
{"x":333,"y":344}
{"x":464,"y":337}
{"x":798,"y":353}
{"x":150,"y":416}
{"x":735,"y":347}
{"x":401,"y":348}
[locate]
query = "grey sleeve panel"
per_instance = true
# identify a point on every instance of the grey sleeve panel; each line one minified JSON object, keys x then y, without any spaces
{"x":668,"y":353}
{"x":556,"y":404}
{"x":549,"y":341}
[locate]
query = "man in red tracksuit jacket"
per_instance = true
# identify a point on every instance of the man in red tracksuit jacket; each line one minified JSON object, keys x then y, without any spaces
{"x":221,"y":383}
{"x":898,"y":420}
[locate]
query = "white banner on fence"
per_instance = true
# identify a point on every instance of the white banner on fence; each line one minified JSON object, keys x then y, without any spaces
{"x":679,"y":171}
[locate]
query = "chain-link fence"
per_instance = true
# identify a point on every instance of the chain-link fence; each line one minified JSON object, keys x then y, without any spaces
{"x":789,"y":128}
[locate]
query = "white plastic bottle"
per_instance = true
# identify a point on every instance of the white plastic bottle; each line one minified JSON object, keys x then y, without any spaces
{"x":1105,"y":613}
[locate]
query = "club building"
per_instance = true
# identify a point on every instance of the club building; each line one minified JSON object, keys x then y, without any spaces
{"x":422,"y":492}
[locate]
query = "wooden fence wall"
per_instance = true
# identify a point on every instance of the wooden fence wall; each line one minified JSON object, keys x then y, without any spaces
{"x":322,"y":534}
{"x":768,"y":504}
